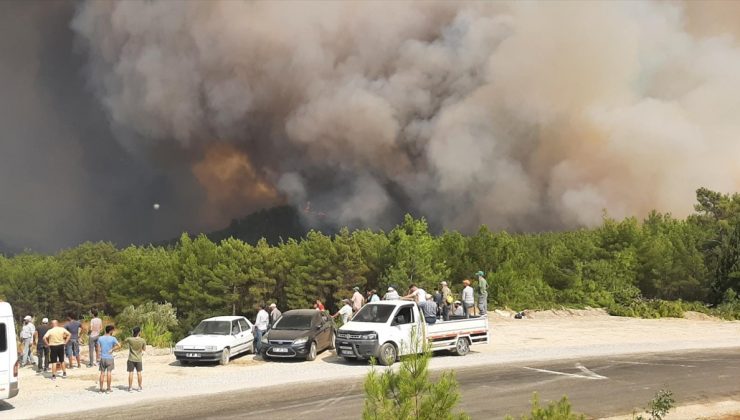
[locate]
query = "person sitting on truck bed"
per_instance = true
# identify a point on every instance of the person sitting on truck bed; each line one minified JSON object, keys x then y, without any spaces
{"x":429,"y":309}
{"x":457,"y":309}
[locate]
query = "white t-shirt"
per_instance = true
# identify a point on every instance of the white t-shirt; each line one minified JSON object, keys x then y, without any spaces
{"x":262,"y":320}
{"x":28,"y":330}
{"x":345,"y":313}
{"x":392,"y":295}
{"x":420,"y":295}
{"x":96,"y":325}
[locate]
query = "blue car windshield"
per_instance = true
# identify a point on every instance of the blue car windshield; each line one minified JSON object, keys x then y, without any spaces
{"x":374,"y":313}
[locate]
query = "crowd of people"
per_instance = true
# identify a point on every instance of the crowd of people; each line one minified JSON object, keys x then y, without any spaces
{"x":440,"y":304}
{"x":57,"y":348}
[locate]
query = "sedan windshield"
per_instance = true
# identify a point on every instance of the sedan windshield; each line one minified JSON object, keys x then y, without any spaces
{"x":374,"y":313}
{"x":294,"y":322}
{"x":213,"y":328}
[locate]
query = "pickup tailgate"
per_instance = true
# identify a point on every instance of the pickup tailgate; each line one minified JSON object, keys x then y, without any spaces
{"x":443,"y":334}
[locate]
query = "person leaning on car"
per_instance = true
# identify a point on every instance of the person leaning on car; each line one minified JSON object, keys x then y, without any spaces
{"x":429,"y":309}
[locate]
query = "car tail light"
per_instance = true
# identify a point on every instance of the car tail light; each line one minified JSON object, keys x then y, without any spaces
{"x":15,"y":369}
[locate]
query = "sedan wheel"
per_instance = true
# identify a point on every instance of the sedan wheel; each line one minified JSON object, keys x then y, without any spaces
{"x":311,"y":352}
{"x":225,"y":356}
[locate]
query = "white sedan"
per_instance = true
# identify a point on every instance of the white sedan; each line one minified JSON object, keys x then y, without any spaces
{"x":216,"y":339}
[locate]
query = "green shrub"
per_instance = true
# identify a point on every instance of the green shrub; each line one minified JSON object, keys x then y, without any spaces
{"x":658,"y":407}
{"x":560,"y":410}
{"x":156,"y":321}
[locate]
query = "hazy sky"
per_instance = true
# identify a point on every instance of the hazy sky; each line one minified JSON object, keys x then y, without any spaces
{"x":523,"y":116}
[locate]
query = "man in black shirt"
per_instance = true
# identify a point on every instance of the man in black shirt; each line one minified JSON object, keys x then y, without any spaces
{"x":42,"y":350}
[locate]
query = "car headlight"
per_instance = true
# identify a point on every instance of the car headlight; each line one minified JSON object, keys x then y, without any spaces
{"x":179,"y":347}
{"x":371,"y":336}
{"x":300,"y":341}
{"x":264,"y":339}
{"x":211,"y":348}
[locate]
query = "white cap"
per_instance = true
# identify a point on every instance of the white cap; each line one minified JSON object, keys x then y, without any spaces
{"x":443,"y":283}
{"x":272,"y":305}
{"x":27,"y":318}
{"x":45,"y":321}
{"x":390,"y":289}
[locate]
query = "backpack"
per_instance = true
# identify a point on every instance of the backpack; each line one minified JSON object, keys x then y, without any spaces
{"x":450,"y":299}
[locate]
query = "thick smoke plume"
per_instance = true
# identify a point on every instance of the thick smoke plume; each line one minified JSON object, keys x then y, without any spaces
{"x":519,"y":115}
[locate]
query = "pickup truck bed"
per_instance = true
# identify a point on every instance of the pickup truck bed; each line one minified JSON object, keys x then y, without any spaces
{"x":444,"y":335}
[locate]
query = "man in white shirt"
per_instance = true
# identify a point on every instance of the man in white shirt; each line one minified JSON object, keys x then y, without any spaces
{"x":392,"y":294}
{"x":417,"y":294}
{"x":260,"y":327}
{"x":345,"y":312}
{"x":27,"y":333}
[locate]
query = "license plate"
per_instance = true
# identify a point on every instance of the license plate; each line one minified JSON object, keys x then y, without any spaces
{"x":348,"y":352}
{"x":280,"y":350}
{"x":193,"y":355}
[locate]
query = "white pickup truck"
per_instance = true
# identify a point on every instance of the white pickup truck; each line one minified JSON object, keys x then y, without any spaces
{"x":384,"y":330}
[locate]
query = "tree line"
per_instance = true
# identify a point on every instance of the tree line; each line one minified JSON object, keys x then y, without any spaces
{"x":621,"y":265}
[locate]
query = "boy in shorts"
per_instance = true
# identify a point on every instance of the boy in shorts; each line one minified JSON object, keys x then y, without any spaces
{"x":136,"y":345}
{"x":106,"y":345}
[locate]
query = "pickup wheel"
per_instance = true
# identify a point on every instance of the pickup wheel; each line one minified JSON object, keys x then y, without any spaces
{"x":311,"y":356}
{"x":462,"y":347}
{"x":225,"y":356}
{"x":387,"y":354}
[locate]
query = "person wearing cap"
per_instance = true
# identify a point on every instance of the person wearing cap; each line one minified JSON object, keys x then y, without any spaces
{"x":429,"y":309}
{"x":357,"y":299}
{"x":391,"y":294}
{"x":467,"y":298}
{"x":457,"y":309}
{"x":42,"y":350}
{"x":275,"y":314}
{"x":345,"y":311}
{"x":446,"y":300}
{"x":27,"y":333}
{"x":482,"y":293}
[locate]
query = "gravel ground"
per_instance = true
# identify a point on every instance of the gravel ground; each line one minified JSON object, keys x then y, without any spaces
{"x":544,"y":336}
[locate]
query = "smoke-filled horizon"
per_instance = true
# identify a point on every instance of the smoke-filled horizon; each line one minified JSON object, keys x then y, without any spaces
{"x":522,"y":116}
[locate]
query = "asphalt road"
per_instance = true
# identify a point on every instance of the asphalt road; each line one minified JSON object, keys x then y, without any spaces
{"x":597,"y":387}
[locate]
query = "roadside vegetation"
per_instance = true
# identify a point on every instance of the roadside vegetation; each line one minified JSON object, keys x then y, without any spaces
{"x":659,"y":266}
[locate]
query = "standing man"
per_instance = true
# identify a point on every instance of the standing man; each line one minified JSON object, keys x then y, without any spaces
{"x":106,"y":345}
{"x":391,"y":294}
{"x":42,"y":350}
{"x":374,"y":296}
{"x":446,"y":300}
{"x":96,"y":326}
{"x":416,"y":294}
{"x":275,"y":314}
{"x":73,"y":345}
{"x":482,"y":293}
{"x":357,"y":299}
{"x":345,"y":311}
{"x":27,"y":333}
{"x":429,"y":309}
{"x":136,"y":345}
{"x":261,"y":322}
{"x":56,"y":338}
{"x":467,"y":299}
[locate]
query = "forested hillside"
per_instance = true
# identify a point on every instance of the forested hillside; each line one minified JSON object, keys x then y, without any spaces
{"x":630,"y":267}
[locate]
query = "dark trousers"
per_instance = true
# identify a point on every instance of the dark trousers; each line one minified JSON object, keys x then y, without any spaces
{"x":445,"y":312}
{"x":430,"y":319}
{"x":43,"y":354}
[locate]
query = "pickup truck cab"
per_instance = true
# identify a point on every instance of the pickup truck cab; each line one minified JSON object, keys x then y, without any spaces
{"x":216,"y":339}
{"x":384,"y":330}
